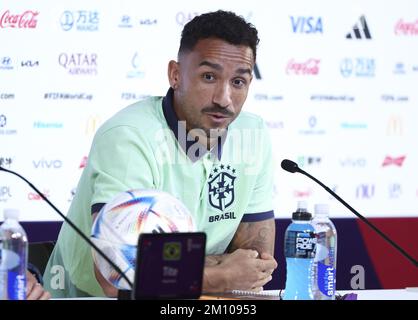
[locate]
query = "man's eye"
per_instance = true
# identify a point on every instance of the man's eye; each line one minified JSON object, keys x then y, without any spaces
{"x":208,"y":76}
{"x":238,"y":82}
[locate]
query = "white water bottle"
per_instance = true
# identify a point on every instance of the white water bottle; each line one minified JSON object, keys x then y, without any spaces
{"x":325,"y":262}
{"x":14,"y":257}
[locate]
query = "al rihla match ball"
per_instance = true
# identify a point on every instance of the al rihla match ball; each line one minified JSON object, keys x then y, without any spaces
{"x":120,"y":222}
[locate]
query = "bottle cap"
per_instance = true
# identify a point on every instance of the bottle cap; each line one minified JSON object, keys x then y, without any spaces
{"x":302,"y":205}
{"x":301,"y":212}
{"x":321,"y":209}
{"x":11,"y":214}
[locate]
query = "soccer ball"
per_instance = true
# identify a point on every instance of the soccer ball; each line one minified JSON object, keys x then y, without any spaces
{"x":119,"y":223}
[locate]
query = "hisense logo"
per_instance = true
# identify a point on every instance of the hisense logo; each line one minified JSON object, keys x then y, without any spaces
{"x":360,"y":30}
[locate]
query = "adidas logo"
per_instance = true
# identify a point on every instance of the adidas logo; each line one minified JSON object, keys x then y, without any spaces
{"x":360,"y":30}
{"x":257,"y":72}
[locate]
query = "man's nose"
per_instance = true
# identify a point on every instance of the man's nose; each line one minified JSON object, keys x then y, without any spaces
{"x":222,"y":95}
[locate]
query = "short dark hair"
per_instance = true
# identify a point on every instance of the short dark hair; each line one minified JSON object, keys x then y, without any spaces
{"x":224,"y":25}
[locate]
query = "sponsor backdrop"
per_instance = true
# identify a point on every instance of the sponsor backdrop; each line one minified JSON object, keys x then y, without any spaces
{"x":336,"y":83}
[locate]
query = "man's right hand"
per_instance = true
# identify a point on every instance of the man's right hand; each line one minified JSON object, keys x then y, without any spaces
{"x":241,"y":270}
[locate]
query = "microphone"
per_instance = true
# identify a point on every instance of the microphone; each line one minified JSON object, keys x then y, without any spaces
{"x":75,"y":228}
{"x":292,"y":167}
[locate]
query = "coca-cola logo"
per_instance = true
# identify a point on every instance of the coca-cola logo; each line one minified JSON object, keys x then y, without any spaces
{"x":406,"y":28}
{"x":309,"y":67}
{"x":25,"y":20}
{"x":35,"y":196}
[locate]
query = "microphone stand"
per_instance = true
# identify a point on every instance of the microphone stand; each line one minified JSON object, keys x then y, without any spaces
{"x":292,"y":167}
{"x":75,"y":228}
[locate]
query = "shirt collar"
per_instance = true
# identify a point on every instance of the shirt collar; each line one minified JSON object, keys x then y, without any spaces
{"x":176,"y":127}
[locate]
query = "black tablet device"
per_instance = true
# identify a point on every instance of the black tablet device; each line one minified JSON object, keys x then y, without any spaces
{"x":169,"y":265}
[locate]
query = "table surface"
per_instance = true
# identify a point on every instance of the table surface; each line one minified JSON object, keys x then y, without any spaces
{"x":387,"y":294}
{"x":384,"y":294}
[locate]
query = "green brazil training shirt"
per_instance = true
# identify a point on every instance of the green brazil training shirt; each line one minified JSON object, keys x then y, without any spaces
{"x":144,"y":146}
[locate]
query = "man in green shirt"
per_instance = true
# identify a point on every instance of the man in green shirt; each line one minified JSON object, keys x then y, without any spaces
{"x":196,"y":144}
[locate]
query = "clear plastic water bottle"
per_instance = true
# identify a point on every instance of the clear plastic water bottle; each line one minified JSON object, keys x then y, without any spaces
{"x":14,"y":257}
{"x":299,"y":249}
{"x":325,"y":265}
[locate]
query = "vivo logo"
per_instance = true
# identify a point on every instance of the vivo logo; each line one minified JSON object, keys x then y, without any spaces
{"x":47,"y":164}
{"x":306,"y":24}
{"x":353,"y":162}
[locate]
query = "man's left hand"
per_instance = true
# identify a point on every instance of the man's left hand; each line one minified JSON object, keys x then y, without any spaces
{"x":34,"y":290}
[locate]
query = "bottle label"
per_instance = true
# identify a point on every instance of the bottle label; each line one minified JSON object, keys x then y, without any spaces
{"x":326,"y":279}
{"x":300,"y":244}
{"x":13,"y":276}
{"x":16,"y":286}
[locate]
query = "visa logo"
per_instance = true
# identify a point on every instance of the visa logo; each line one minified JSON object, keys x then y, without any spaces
{"x":306,"y":24}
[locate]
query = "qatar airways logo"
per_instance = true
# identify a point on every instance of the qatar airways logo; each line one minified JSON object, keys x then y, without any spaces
{"x":308,"y":67}
{"x":182,"y":17}
{"x":403,"y":28}
{"x":25,"y":20}
{"x":79,"y":63}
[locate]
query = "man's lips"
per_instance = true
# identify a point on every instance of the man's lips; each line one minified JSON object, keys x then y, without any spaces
{"x":217,"y":115}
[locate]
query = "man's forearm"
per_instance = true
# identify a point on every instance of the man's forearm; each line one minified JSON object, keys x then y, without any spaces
{"x":213,"y":276}
{"x":213,"y":260}
{"x":259,"y":236}
{"x":213,"y":279}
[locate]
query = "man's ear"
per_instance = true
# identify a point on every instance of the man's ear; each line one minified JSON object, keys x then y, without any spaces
{"x":173,"y":74}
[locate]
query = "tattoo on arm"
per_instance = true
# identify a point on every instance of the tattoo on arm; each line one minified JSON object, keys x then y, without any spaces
{"x":258,"y":236}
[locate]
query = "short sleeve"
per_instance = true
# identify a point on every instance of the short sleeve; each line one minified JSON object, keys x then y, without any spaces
{"x":260,"y":206}
{"x":119,"y":161}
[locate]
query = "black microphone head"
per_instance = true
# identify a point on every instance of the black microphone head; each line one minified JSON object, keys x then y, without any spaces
{"x":290,"y":166}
